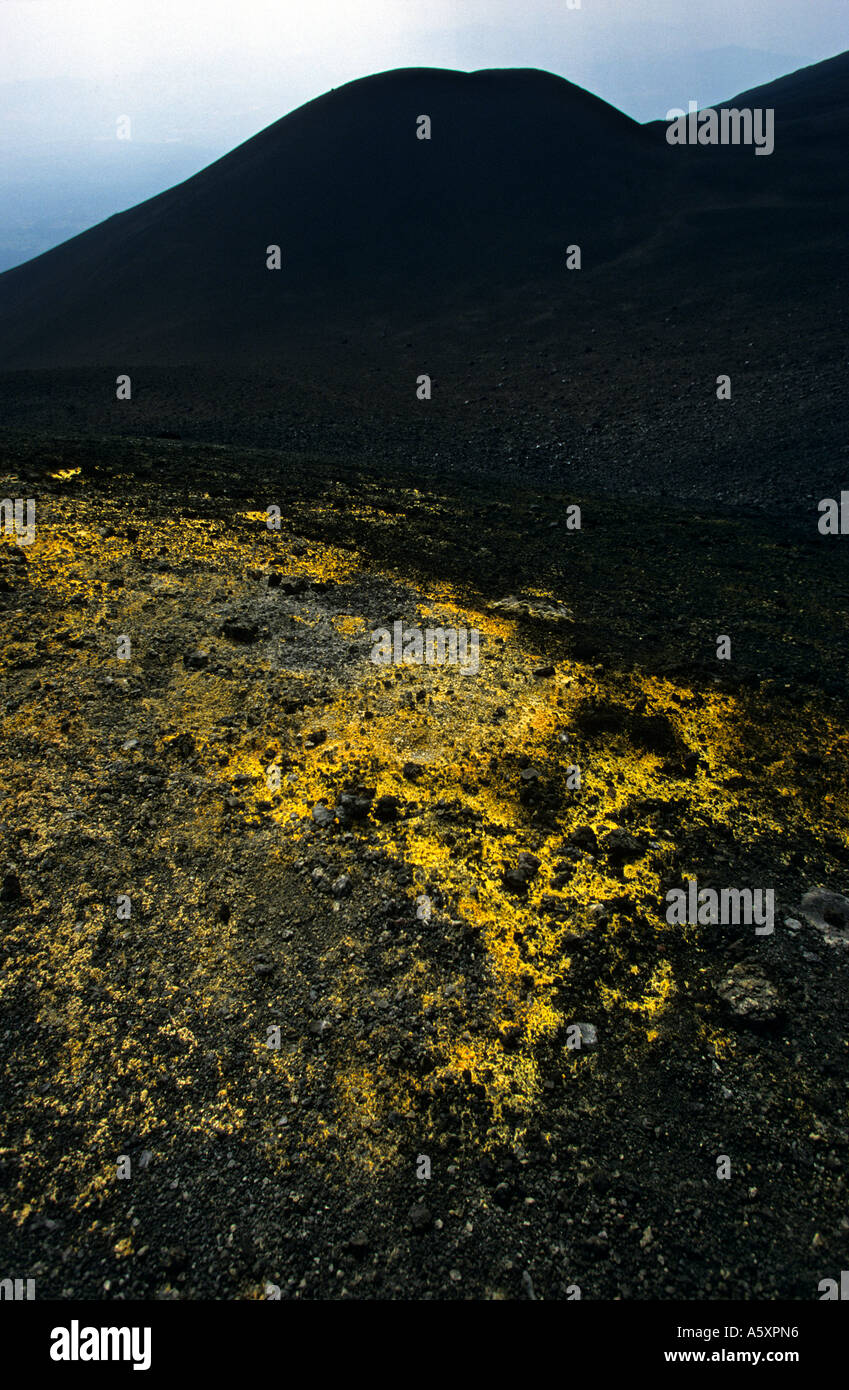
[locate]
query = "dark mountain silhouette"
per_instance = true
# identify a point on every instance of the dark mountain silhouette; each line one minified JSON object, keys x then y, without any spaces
{"x":368,"y":217}
{"x":520,"y":165}
{"x":817,"y":95}
{"x":448,"y":256}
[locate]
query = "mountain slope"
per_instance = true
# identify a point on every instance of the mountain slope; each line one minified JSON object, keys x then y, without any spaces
{"x":520,"y":165}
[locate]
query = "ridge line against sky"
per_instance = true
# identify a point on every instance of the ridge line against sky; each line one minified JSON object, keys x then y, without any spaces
{"x":196,"y":78}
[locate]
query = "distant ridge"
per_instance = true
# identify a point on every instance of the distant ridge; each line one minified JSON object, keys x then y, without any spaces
{"x":521,"y":164}
{"x":372,"y":221}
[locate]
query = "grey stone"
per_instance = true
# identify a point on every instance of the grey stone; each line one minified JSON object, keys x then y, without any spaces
{"x":829,"y":913}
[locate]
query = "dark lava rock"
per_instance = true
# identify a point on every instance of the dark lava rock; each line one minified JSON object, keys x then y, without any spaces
{"x":517,"y":878}
{"x":515,"y":881}
{"x":183,"y":746}
{"x":585,"y":838}
{"x":687,"y":766}
{"x":488,"y":1171}
{"x":655,"y":733}
{"x":620,"y":847}
{"x":342,"y":886}
{"x":529,"y":863}
{"x":174,"y":1259}
{"x":386,"y":808}
{"x":323,"y":815}
{"x":420,"y":1217}
{"x":11,"y":891}
{"x":358,"y":1245}
{"x":240,"y":631}
{"x":542,"y":672}
{"x":601,"y":717}
{"x":196,"y":661}
{"x":412,"y":771}
{"x":351,"y":808}
{"x":559,"y":880}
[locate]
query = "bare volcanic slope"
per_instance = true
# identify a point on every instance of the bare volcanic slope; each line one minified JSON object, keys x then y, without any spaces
{"x":520,"y":165}
{"x":811,"y":130}
{"x":402,"y":256}
{"x":791,"y":96}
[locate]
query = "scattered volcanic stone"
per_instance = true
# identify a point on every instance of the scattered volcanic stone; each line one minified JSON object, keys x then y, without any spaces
{"x":515,"y":880}
{"x":358,"y":1245}
{"x":11,"y":891}
{"x":517,"y":877}
{"x":351,"y":808}
{"x":542,"y":672}
{"x":342,"y":886}
{"x":412,"y":771}
{"x":621,"y":847}
{"x":488,"y":1171}
{"x":420,"y":1217}
{"x":559,"y":879}
{"x":314,"y":739}
{"x":322,"y":815}
{"x":655,"y":733}
{"x":240,"y":631}
{"x":183,"y":746}
{"x":554,"y":907}
{"x":584,"y":837}
{"x":748,"y":996}
{"x":681,"y":767}
{"x":196,"y":661}
{"x":386,"y":808}
{"x":829,"y":913}
{"x":601,"y":717}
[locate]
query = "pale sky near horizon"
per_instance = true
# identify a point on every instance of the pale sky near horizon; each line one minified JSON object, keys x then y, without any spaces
{"x":288,"y":51}
{"x":198,"y":77}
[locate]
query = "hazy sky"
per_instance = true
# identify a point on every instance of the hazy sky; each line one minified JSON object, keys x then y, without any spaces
{"x":286,"y":51}
{"x":197,"y":77}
